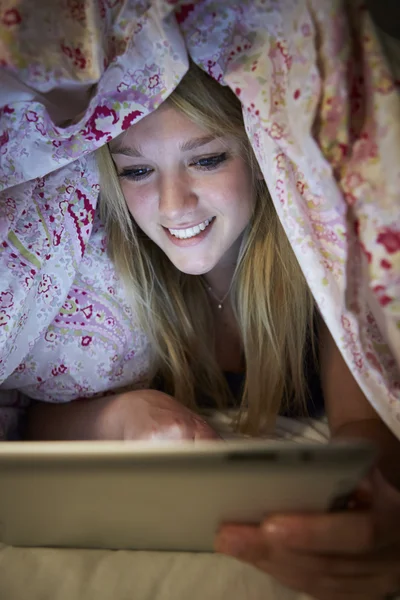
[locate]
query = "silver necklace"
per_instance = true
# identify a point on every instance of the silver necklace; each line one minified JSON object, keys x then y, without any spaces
{"x":220,"y":301}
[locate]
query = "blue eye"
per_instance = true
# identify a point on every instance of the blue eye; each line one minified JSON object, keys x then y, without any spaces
{"x":210,"y":162}
{"x":206,"y":164}
{"x":136,"y":174}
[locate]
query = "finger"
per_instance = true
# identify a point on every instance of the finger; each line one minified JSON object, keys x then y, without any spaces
{"x":178,"y":429}
{"x":248,"y":543}
{"x":244,"y":542}
{"x":204,"y":432}
{"x":183,"y":428}
{"x":319,"y":576}
{"x":341,"y":533}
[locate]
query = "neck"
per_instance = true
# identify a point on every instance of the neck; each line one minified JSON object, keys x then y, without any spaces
{"x":220,"y":279}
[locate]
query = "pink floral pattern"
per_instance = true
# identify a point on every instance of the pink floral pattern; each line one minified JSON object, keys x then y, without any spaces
{"x":325,"y":125}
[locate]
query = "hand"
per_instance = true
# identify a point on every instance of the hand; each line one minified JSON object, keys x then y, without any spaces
{"x":354,"y":555}
{"x":152,"y":415}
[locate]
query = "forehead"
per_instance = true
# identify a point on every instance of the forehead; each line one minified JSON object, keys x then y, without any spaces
{"x":165,"y":125}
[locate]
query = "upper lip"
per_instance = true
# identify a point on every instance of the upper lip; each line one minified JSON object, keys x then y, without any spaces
{"x":189,"y":226}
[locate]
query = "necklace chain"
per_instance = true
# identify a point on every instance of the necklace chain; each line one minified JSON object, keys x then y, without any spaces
{"x":220,"y":301}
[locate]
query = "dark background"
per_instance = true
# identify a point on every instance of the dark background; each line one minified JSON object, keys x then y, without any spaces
{"x":386,"y":14}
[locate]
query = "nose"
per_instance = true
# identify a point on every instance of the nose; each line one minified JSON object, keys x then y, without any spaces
{"x":177,"y":198}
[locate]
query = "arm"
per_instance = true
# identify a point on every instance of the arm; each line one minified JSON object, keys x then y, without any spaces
{"x":349,"y":412}
{"x":136,"y":415}
{"x":85,"y":419}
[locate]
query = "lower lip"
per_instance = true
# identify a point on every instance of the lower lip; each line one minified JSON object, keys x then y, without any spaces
{"x":193,"y":241}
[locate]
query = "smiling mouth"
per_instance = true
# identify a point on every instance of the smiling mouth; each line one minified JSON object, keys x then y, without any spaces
{"x":190,"y":232}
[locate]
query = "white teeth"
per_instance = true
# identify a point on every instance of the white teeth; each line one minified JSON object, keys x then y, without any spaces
{"x":184,"y":234}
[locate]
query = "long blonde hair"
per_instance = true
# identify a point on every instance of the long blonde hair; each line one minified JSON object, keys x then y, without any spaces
{"x":269,"y":295}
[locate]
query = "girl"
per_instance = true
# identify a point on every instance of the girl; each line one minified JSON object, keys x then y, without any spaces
{"x":195,"y":237}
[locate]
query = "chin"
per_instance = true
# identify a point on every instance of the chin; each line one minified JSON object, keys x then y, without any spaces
{"x":195,"y":269}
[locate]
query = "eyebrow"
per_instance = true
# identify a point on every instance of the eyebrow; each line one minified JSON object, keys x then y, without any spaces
{"x":120,"y":148}
{"x":135,"y":152}
{"x":197,"y":142}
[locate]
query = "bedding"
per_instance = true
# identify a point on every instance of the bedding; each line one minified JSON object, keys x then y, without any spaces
{"x":320,"y":97}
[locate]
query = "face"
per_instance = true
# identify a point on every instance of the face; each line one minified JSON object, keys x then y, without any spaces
{"x":190,"y":193}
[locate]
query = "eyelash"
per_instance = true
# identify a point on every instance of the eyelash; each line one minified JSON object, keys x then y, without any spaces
{"x":215,"y":162}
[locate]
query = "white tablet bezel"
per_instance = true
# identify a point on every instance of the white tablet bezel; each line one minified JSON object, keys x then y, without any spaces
{"x":164,"y":496}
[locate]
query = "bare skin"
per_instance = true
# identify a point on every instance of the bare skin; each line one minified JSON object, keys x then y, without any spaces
{"x":137,"y":415}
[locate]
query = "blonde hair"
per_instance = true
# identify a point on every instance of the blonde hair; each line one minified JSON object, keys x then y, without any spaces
{"x":269,"y":295}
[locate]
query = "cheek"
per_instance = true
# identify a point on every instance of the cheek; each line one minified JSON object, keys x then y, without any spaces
{"x":241,"y":190}
{"x":136,"y":202}
{"x":238,"y":182}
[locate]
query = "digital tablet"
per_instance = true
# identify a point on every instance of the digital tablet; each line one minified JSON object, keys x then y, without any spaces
{"x":165,"y":496}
